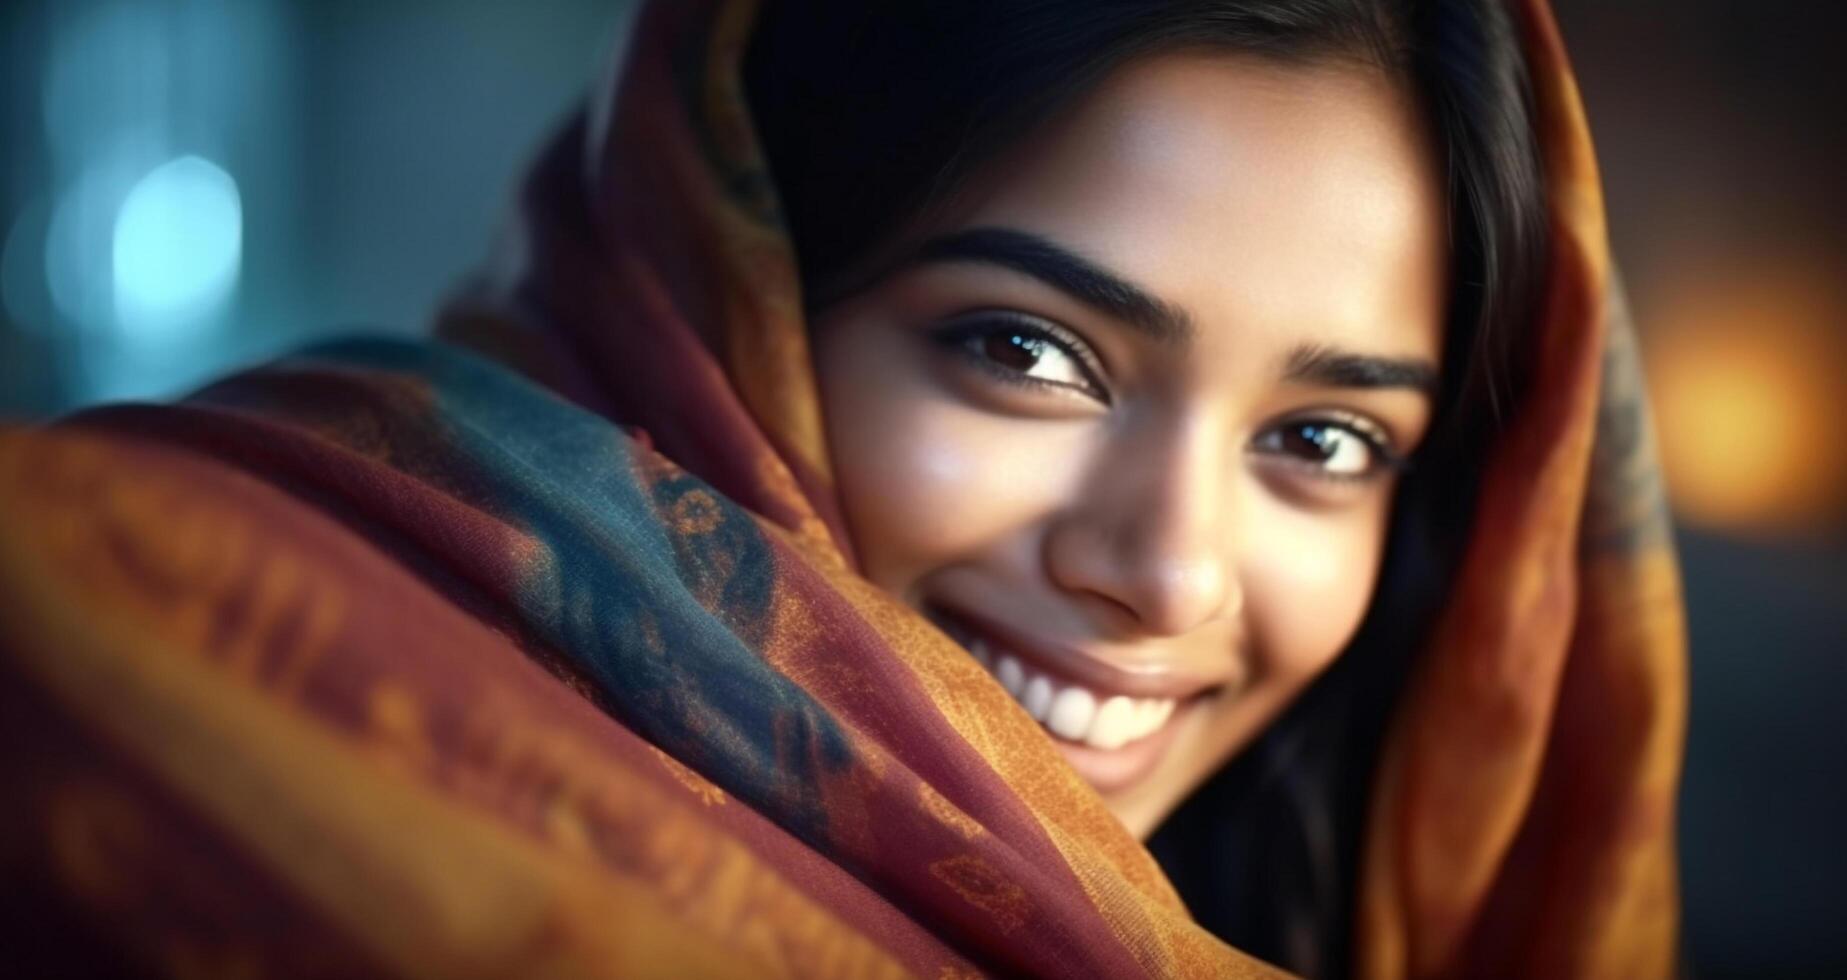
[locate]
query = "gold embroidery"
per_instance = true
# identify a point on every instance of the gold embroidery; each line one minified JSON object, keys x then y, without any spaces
{"x":173,"y":562}
{"x":709,"y":878}
{"x":938,"y":806}
{"x":707,"y":792}
{"x":565,"y":824}
{"x":696,"y":512}
{"x":810,"y":533}
{"x":397,"y":722}
{"x":983,"y":886}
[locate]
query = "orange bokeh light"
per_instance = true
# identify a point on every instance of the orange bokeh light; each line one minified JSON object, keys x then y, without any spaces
{"x":1747,"y":381}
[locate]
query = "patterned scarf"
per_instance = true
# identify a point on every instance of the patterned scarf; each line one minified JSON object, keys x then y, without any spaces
{"x":387,"y":659}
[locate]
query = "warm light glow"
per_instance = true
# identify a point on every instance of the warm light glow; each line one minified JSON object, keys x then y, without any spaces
{"x":1747,"y":381}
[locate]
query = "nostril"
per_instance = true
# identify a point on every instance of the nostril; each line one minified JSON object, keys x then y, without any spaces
{"x":1162,"y":584}
{"x":1178,"y":596}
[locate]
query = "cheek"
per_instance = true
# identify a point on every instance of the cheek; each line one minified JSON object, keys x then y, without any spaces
{"x":1308,"y":579}
{"x":924,"y":479}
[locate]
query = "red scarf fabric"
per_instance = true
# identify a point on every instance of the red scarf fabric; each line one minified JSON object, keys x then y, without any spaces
{"x":384,"y":660}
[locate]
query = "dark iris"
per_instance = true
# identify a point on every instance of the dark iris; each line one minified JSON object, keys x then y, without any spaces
{"x":1311,"y":441}
{"x":1013,"y":347}
{"x":1013,"y":350}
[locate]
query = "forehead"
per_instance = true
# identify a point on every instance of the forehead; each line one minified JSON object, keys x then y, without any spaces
{"x":1271,"y":202}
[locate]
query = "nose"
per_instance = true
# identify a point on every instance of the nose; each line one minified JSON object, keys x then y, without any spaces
{"x":1150,"y":537}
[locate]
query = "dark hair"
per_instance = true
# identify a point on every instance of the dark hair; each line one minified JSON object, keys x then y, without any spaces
{"x":871,"y":113}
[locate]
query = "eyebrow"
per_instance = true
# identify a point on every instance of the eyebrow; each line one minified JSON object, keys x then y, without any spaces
{"x":1097,"y":287}
{"x":1322,"y":365}
{"x":1066,"y":271}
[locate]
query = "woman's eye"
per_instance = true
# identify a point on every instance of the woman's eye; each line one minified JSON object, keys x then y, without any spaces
{"x":1334,"y":449}
{"x":1034,"y":357}
{"x":1020,"y":350}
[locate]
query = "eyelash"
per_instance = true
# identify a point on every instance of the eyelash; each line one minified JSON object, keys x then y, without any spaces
{"x":960,"y":334}
{"x":1382,"y":458}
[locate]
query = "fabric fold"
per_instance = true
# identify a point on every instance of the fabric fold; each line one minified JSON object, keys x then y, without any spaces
{"x":543,"y":653}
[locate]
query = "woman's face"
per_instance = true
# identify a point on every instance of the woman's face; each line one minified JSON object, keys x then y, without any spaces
{"x":1124,"y":419}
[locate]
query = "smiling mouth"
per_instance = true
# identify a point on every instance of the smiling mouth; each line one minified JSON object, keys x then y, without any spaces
{"x":1072,"y":711}
{"x":1083,"y":702}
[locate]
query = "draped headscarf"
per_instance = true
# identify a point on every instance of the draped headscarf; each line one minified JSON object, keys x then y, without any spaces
{"x":392,"y":658}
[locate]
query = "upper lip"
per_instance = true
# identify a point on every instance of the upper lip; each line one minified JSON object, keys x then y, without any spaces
{"x":1143,"y":680}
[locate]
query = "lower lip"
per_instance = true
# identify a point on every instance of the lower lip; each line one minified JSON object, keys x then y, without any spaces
{"x":1119,"y":769}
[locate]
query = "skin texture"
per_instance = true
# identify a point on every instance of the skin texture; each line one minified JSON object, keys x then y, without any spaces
{"x":1157,"y":521}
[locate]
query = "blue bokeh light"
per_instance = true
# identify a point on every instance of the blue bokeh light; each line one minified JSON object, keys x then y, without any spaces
{"x":178,"y":247}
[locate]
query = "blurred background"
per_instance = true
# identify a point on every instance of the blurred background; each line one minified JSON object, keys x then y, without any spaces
{"x":188,"y":186}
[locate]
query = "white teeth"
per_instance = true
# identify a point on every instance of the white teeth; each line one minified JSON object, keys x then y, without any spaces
{"x":1038,"y":699}
{"x":1012,"y":675}
{"x":1071,"y":711}
{"x":1112,"y":725}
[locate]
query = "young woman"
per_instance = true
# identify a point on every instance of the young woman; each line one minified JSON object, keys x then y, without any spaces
{"x":992,"y":434}
{"x":1127,"y":332}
